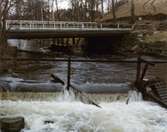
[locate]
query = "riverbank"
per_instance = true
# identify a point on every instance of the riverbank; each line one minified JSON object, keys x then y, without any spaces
{"x":141,"y":43}
{"x":156,"y":43}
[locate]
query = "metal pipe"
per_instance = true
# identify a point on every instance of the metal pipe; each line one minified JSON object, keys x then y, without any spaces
{"x":87,"y":60}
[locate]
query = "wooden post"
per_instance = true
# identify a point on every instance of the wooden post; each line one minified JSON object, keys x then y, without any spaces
{"x":73,"y":41}
{"x":144,"y":71}
{"x":69,"y":74}
{"x":138,"y":70}
{"x":15,"y":57}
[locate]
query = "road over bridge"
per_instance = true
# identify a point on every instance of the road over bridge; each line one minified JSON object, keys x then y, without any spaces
{"x":25,"y":29}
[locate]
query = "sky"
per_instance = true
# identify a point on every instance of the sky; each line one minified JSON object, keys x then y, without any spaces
{"x":66,"y":4}
{"x":63,"y":4}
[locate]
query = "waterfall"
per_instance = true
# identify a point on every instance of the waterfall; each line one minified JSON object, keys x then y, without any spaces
{"x":134,"y":96}
{"x":63,"y":112}
{"x":78,"y":117}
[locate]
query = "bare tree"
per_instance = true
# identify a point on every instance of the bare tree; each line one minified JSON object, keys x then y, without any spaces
{"x":92,"y":9}
{"x":102,"y":7}
{"x":113,"y":10}
{"x":108,"y":6}
{"x":36,"y":10}
{"x":132,"y":11}
{"x":4,"y":11}
{"x":151,"y":2}
{"x":57,"y":9}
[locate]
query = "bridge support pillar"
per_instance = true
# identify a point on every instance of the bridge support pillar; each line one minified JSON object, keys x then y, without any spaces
{"x":73,"y":40}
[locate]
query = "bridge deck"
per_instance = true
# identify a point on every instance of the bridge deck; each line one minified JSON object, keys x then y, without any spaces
{"x":50,"y":29}
{"x":22,"y":34}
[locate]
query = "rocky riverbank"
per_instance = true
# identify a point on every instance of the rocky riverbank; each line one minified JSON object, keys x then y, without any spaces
{"x":154,"y":44}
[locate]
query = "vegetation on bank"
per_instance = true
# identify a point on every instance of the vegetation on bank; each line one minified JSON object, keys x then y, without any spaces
{"x":154,"y":44}
{"x":142,"y":9}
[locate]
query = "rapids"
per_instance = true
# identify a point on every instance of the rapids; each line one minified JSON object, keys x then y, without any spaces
{"x":46,"y":112}
{"x":73,"y":116}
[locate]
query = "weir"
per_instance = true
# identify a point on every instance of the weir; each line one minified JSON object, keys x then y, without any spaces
{"x":64,"y":111}
{"x":55,"y":85}
{"x":63,"y":115}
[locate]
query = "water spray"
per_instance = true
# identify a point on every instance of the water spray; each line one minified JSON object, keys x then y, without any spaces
{"x":76,"y":90}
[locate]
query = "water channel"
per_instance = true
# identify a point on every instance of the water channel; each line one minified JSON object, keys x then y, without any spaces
{"x":70,"y":115}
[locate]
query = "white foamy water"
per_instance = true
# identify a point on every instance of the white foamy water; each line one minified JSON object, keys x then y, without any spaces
{"x":78,"y":117}
{"x":134,"y":96}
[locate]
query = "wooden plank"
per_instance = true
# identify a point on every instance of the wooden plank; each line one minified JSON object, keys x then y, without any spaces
{"x":161,"y":89}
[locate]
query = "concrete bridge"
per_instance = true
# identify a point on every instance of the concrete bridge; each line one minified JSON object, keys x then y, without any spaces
{"x":25,"y":29}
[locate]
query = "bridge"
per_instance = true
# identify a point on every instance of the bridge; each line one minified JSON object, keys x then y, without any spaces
{"x":26,"y":29}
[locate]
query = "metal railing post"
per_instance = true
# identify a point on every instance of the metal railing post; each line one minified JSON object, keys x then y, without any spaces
{"x":101,"y":25}
{"x":27,"y":24}
{"x":20,"y":24}
{"x":61,"y":25}
{"x":42,"y":24}
{"x":30,"y":25}
{"x":54,"y":25}
{"x":118,"y":26}
{"x":83,"y":26}
{"x":69,"y":74}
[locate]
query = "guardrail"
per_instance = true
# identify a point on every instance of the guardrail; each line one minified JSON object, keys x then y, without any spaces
{"x":25,"y":24}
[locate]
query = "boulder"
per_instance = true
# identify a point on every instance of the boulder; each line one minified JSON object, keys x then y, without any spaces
{"x":12,"y":124}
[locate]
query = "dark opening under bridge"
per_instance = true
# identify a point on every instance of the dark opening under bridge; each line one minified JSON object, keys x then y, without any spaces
{"x":26,"y":29}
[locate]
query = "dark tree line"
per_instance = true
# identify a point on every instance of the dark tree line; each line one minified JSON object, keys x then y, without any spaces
{"x":79,"y":10}
{"x":4,"y":12}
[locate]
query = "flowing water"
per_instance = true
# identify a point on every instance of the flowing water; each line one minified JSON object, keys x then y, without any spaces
{"x":56,"y":112}
{"x":74,"y":116}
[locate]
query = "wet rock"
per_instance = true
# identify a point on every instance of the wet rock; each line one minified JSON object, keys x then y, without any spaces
{"x":4,"y":86}
{"x":48,"y":122}
{"x":15,"y":124}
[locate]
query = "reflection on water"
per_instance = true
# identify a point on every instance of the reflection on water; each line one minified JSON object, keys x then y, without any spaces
{"x":30,"y":45}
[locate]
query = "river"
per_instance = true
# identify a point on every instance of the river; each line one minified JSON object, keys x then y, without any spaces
{"x":69,"y":115}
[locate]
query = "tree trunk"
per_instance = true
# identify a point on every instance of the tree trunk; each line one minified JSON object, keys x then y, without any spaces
{"x":113,"y":10}
{"x":132,"y":12}
{"x":102,"y":7}
{"x":57,"y":9}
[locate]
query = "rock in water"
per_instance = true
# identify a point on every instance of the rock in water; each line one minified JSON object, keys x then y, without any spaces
{"x":15,"y":124}
{"x":4,"y":86}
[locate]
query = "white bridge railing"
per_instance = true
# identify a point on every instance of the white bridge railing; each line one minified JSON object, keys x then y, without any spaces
{"x":25,"y":24}
{"x":56,"y":25}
